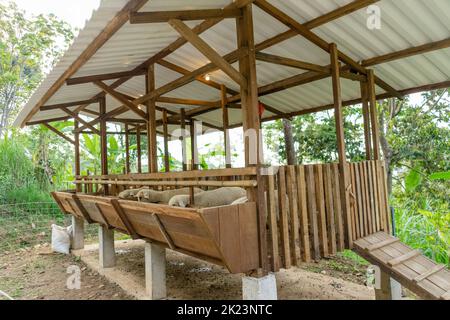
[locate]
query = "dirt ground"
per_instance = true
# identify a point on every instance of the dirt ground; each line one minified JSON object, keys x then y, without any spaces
{"x":38,"y":274}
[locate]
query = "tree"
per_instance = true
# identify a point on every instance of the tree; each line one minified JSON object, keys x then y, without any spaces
{"x":416,"y":136}
{"x":29,"y":47}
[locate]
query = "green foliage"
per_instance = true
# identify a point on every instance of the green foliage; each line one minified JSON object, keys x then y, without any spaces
{"x":29,"y":46}
{"x":17,"y":176}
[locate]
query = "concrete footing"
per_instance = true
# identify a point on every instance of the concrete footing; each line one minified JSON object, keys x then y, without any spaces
{"x":155,"y":271}
{"x":264,"y":288}
{"x":77,"y":233}
{"x":107,"y":254}
{"x":389,"y":288}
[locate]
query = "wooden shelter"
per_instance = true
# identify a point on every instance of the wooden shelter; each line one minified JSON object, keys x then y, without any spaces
{"x":156,"y":66}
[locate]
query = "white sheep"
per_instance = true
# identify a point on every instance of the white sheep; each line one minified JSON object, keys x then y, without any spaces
{"x":155,"y":196}
{"x":129,"y":194}
{"x":214,"y":198}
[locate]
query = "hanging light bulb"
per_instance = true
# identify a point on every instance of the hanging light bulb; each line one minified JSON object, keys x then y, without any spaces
{"x":207,"y":77}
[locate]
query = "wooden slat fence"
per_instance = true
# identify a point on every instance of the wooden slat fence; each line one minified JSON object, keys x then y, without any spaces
{"x":309,"y":223}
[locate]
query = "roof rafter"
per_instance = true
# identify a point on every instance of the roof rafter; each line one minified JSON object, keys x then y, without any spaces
{"x":185,"y":15}
{"x":111,"y":28}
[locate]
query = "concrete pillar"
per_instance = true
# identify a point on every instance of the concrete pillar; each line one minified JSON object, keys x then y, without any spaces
{"x":107,"y":254}
{"x":155,"y":271}
{"x":77,"y":233}
{"x":389,"y":288}
{"x":264,"y":288}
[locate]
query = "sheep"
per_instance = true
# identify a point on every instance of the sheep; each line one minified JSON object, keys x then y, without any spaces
{"x":155,"y":196}
{"x":214,"y":198}
{"x":240,"y":201}
{"x":129,"y":194}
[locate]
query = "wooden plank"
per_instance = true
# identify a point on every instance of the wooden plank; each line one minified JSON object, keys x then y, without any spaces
{"x":284,"y":223}
{"x":353,"y":202}
{"x":293,"y":213}
{"x":68,"y":104}
{"x":367,"y":198}
{"x":338,"y":207}
{"x":377,"y":200}
{"x":312,"y":212}
{"x":270,"y":58}
{"x":339,"y":120}
{"x":372,"y":196}
{"x":248,"y":235}
{"x":403,"y":258}
{"x":123,"y":217}
{"x":208,"y":51}
{"x":184,"y":15}
{"x":273,"y":227}
{"x":429,"y":272}
{"x":382,"y":244}
{"x":321,"y":216}
{"x":303,"y":212}
{"x":164,"y":232}
{"x":359,"y":200}
{"x":229,"y":235}
{"x":82,"y":209}
{"x":330,"y":208}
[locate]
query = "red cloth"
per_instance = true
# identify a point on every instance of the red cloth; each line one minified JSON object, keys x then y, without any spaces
{"x":261,"y":109}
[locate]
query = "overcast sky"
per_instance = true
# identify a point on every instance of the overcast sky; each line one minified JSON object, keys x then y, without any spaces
{"x":74,"y":12}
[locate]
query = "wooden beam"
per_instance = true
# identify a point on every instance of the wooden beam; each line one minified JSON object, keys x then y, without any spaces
{"x":77,"y":154}
{"x":119,"y":97}
{"x":366,"y":120}
{"x":103,"y":77}
{"x":185,"y":15}
{"x":251,"y":123}
{"x":166,"y":143}
{"x":127,"y":150}
{"x":183,"y":138}
{"x":226,"y":132}
{"x":59,"y":133}
{"x":318,"y":41}
{"x":373,"y":115}
{"x":152,"y":152}
{"x":111,"y":28}
{"x":68,"y":104}
{"x":343,"y":166}
{"x":183,"y":71}
{"x":438,"y":45}
{"x":207,"y":51}
{"x":138,"y":149}
{"x":103,"y":139}
{"x":270,"y":58}
{"x":32,"y":123}
{"x":76,"y":117}
{"x":189,"y":102}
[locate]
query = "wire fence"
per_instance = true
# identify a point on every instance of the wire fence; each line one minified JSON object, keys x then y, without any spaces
{"x":25,"y":225}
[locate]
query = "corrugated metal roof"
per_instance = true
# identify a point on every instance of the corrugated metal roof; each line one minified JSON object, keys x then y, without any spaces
{"x":405,"y":24}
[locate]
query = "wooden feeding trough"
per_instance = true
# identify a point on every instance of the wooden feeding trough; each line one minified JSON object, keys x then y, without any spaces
{"x":226,"y":236}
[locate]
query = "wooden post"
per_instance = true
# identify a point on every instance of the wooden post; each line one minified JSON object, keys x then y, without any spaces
{"x":183,"y":138}
{"x":226,"y":131}
{"x":166,"y":142}
{"x":151,"y":124}
{"x":138,"y":148}
{"x":289,"y":139}
{"x":194,"y":146}
{"x":366,"y":119}
{"x":343,"y":166}
{"x":251,"y":122}
{"x":127,"y":150}
{"x":103,"y":141}
{"x":373,"y":114}
{"x":77,"y":153}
